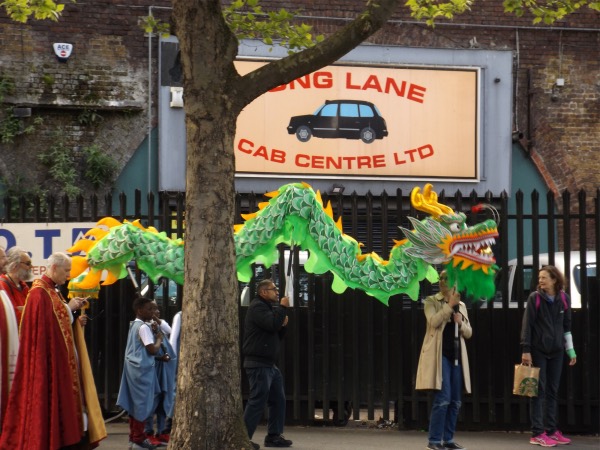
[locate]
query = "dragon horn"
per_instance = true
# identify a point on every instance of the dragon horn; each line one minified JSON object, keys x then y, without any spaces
{"x":482,"y":206}
{"x":428,"y":201}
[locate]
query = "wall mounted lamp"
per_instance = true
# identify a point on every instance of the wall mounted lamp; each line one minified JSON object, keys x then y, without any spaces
{"x":176,"y":97}
{"x":337,"y":189}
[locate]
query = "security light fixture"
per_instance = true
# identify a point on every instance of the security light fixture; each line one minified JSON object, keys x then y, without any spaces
{"x":517,"y":136}
{"x":337,"y":189}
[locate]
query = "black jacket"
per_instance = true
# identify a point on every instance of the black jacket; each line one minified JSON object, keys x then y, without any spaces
{"x":263,"y":331}
{"x":544,"y":327}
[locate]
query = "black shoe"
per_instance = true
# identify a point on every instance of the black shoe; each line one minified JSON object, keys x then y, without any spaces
{"x":254,"y":445}
{"x":144,"y":444}
{"x":277,"y":441}
{"x":454,"y":446}
{"x":435,"y":447}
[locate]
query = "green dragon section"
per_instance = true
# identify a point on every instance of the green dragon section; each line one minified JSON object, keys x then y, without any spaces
{"x":295,"y":216}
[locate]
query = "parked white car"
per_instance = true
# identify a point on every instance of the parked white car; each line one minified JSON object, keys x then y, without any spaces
{"x":572,"y":274}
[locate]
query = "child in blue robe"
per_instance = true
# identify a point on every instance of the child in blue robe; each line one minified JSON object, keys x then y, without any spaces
{"x":140,"y":388}
{"x":166,"y":366}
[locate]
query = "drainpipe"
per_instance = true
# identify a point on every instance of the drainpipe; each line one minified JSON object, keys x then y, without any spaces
{"x":149,"y":126}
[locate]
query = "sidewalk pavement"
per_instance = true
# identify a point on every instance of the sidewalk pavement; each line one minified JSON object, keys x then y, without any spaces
{"x":363,"y":436}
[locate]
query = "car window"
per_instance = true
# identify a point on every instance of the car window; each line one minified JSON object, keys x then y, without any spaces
{"x":591,"y":274}
{"x":528,"y":280}
{"x":525,"y":289}
{"x":159,"y":290}
{"x":349,"y":110}
{"x":329,"y":110}
{"x":318,"y":110}
{"x":366,"y":111}
{"x":377,"y":109}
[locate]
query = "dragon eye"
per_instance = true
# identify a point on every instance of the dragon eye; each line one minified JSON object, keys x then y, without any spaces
{"x":454,"y":227}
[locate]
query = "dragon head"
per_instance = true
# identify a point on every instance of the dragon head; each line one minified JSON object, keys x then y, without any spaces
{"x":445,"y":238}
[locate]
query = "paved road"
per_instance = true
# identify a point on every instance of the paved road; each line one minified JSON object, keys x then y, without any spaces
{"x":371,"y":438}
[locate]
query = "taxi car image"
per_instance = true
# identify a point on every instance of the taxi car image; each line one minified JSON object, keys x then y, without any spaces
{"x":348,"y":119}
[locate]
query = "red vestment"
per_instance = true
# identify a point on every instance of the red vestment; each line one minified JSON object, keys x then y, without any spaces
{"x":9,"y":347}
{"x":46,"y":403}
{"x":4,"y":365}
{"x":17,"y":297}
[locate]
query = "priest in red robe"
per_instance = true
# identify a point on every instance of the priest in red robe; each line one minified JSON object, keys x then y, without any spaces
{"x":18,"y":271}
{"x":9,"y":341}
{"x":53,"y":403}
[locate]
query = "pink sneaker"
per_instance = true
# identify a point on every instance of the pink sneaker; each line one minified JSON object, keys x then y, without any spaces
{"x":559,"y":438}
{"x":543,"y":440}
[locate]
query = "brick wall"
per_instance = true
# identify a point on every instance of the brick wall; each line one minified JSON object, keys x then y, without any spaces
{"x":99,"y":96}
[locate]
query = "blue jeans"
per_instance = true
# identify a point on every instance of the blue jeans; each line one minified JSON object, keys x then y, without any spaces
{"x":543,"y":409}
{"x":446,"y":404}
{"x":266,"y":388}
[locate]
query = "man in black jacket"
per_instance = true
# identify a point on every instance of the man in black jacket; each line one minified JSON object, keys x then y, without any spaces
{"x":264,"y":329}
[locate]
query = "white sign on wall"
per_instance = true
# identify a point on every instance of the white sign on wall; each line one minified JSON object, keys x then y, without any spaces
{"x":62,"y":50}
{"x":40,"y":240}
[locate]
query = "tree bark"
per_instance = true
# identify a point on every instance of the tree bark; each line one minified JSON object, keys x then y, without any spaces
{"x":209,"y":405}
{"x":209,"y":408}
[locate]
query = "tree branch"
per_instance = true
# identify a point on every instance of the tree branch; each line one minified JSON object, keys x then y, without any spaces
{"x":287,"y":69}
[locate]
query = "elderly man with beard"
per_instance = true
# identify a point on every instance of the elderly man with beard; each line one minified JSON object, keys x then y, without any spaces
{"x":13,"y":282}
{"x":9,"y":337}
{"x":3,"y":260}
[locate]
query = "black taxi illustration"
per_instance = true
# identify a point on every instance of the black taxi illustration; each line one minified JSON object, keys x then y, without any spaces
{"x":349,"y":119}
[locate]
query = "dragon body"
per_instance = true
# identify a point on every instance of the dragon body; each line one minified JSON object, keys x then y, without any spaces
{"x":114,"y":244}
{"x":295,"y":215}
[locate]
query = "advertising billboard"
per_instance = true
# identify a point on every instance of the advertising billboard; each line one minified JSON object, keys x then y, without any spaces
{"x":380,"y":118}
{"x":366,"y":122}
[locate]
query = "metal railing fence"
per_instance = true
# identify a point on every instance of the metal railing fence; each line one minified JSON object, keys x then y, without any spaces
{"x":349,"y":355}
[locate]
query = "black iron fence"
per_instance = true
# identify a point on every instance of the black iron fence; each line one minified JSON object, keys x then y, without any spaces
{"x":349,"y":355}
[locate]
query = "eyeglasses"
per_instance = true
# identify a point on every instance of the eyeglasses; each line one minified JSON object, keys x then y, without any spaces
{"x":272,"y":289}
{"x":27,"y":263}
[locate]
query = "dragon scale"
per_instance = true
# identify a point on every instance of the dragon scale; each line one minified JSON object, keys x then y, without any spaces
{"x":295,"y":216}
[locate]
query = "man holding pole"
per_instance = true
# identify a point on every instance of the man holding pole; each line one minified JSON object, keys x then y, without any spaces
{"x":264,"y":328}
{"x":444,"y":364}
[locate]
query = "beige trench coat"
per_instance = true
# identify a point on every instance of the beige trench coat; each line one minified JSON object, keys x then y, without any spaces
{"x":429,"y":371}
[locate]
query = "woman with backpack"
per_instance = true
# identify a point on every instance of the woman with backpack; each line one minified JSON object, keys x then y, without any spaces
{"x":545,"y":335}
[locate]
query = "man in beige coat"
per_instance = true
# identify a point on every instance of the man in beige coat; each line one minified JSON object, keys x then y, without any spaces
{"x":444,"y":364}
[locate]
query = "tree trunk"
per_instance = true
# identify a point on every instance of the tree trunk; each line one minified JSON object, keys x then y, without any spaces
{"x":209,"y":407}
